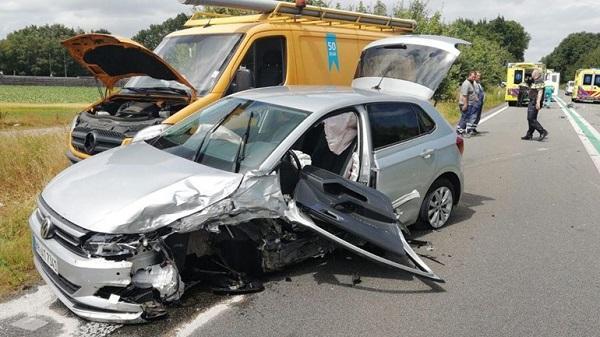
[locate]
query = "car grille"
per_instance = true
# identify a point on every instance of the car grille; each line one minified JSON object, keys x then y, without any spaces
{"x":68,"y":234}
{"x":92,"y":141}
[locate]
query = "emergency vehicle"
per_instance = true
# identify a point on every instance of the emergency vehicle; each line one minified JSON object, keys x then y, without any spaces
{"x":587,"y":85}
{"x":517,"y":77}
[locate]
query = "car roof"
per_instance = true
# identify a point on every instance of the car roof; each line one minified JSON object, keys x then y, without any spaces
{"x":319,"y":98}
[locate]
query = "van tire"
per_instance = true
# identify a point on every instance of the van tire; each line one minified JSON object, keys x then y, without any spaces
{"x":432,"y":202}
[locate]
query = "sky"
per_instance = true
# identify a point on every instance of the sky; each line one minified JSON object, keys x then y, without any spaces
{"x":547,"y":21}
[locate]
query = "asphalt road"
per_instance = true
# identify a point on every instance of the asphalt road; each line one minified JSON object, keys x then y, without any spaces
{"x":519,"y":259}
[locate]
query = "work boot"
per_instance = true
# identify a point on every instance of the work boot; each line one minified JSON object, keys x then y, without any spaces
{"x":526,"y":137}
{"x":543,"y":135}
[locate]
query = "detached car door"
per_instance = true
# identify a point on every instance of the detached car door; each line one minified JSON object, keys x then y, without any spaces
{"x":346,"y":212}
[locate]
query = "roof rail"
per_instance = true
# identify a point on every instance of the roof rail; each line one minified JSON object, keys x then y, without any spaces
{"x":323,"y":15}
{"x":289,"y":12}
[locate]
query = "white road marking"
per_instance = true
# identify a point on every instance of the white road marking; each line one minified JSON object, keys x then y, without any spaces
{"x":487,"y":118}
{"x":587,"y":143}
{"x":207,"y":316}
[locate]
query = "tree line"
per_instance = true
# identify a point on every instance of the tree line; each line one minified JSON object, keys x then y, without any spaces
{"x":576,"y":51}
{"x":36,"y":50}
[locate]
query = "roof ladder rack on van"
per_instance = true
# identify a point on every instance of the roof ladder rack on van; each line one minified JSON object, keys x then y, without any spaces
{"x":285,"y":12}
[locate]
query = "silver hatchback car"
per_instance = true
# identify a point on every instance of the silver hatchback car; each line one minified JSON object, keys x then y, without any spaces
{"x":255,"y":182}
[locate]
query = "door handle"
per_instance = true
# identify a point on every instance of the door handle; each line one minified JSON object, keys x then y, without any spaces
{"x":427,"y":153}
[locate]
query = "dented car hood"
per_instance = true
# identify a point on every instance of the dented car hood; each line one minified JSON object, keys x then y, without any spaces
{"x":110,"y":59}
{"x":136,"y":189}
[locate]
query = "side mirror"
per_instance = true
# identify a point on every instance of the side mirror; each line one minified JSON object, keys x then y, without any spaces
{"x":242,"y":80}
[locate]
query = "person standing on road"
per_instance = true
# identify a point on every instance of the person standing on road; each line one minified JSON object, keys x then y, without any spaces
{"x":548,"y":92}
{"x":468,"y":102}
{"x":536,"y":93}
{"x":481,"y":101}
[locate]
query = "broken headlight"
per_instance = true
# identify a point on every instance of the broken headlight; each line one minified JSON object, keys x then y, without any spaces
{"x":114,"y":246}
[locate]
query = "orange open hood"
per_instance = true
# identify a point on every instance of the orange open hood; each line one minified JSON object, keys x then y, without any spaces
{"x":110,"y":59}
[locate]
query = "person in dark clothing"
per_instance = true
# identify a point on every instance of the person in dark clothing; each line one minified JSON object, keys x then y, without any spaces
{"x":536,"y":93}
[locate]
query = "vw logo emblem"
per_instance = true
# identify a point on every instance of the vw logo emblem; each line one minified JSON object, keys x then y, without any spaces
{"x":46,"y":230}
{"x":90,"y":142}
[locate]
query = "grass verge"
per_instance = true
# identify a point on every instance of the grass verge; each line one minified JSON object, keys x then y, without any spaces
{"x":449,"y":109}
{"x":47,"y":95}
{"x":15,"y":116}
{"x":27,"y":163}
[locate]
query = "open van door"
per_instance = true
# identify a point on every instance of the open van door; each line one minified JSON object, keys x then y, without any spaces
{"x":412,"y":65}
{"x":339,"y":209}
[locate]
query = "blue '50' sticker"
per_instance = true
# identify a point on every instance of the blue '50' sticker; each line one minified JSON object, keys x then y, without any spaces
{"x":332,"y":51}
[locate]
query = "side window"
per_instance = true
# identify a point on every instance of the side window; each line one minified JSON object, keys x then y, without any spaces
{"x":587,"y":79}
{"x":597,"y":80}
{"x":266,"y":60}
{"x":392,"y":123}
{"x":518,"y":76}
{"x":426,"y":123}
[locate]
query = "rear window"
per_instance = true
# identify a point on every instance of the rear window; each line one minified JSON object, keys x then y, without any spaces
{"x":424,"y":65}
{"x":587,"y":79}
{"x":518,"y":76}
{"x":393,"y":123}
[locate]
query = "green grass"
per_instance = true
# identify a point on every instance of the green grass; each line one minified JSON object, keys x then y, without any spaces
{"x":449,"y":109}
{"x":41,"y":106}
{"x":19,"y":116}
{"x":47,"y":95}
{"x":27,"y":163}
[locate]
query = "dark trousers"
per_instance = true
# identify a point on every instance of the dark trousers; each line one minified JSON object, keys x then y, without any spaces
{"x":478,"y":118}
{"x":534,"y":125}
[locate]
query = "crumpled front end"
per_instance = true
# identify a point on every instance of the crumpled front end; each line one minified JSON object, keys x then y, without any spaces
{"x":102,"y":285}
{"x":129,"y":278}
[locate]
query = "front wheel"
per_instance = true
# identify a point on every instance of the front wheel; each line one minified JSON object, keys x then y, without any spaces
{"x":438,"y":204}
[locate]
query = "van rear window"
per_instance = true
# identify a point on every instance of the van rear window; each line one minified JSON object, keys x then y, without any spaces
{"x":518,"y":76}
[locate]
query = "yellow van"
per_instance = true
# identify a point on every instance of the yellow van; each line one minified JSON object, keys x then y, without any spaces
{"x":587,"y":85}
{"x":215,"y":57}
{"x":517,"y":76}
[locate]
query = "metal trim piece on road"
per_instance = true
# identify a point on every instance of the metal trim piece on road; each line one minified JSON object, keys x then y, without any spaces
{"x":589,"y":136}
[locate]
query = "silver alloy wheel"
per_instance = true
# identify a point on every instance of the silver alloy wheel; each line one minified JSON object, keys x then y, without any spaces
{"x":440,"y":206}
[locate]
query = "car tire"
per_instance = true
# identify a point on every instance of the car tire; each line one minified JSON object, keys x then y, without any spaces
{"x":438,"y":204}
{"x":512,"y":103}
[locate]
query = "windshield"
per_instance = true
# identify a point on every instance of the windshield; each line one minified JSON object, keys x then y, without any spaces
{"x":414,"y":63}
{"x":234,"y":134}
{"x":199,"y":58}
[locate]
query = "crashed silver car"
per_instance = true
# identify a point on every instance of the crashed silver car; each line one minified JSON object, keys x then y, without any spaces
{"x":254,"y":183}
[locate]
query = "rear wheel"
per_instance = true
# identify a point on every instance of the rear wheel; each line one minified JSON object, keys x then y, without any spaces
{"x":438,"y":204}
{"x":512,"y":103}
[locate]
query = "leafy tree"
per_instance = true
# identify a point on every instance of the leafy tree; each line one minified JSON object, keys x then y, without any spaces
{"x":589,"y":60}
{"x":101,"y":31}
{"x":572,"y":54}
{"x":508,"y":33}
{"x":380,"y":8}
{"x":361,"y":7}
{"x":153,"y":35}
{"x":36,"y":50}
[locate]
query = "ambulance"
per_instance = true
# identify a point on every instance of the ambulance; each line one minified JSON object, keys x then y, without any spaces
{"x":553,"y":79}
{"x":587,"y":85}
{"x":517,"y":77}
{"x":284,"y":44}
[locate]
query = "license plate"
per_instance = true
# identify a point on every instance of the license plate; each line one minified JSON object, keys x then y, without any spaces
{"x":48,"y":258}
